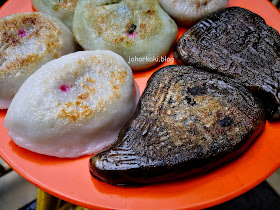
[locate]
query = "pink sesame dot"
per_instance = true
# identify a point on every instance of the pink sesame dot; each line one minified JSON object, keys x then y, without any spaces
{"x":22,"y":33}
{"x":64,"y":88}
{"x":131,"y":35}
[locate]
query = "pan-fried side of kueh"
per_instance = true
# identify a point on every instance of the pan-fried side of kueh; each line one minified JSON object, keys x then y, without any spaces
{"x":138,"y":30}
{"x":187,"y":122}
{"x":63,"y":10}
{"x":27,"y":41}
{"x":237,"y":43}
{"x":73,"y":106}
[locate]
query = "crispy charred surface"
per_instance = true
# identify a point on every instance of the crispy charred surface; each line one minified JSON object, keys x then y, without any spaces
{"x":237,"y":43}
{"x":187,"y":122}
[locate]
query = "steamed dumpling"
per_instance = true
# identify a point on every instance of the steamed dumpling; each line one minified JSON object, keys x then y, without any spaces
{"x":64,"y":9}
{"x":27,"y":41}
{"x":188,"y":12}
{"x":138,"y":30}
{"x":74,"y":105}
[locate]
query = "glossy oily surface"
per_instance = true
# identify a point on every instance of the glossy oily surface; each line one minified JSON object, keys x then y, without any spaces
{"x":237,"y":43}
{"x":187,"y":122}
{"x":56,"y":176}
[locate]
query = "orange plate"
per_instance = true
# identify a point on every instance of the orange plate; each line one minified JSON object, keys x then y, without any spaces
{"x":70,"y":180}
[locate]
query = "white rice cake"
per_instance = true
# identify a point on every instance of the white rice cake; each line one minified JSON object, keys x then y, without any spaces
{"x":28,"y":40}
{"x":74,"y":105}
{"x":62,"y":9}
{"x":138,"y":30}
{"x":188,"y":12}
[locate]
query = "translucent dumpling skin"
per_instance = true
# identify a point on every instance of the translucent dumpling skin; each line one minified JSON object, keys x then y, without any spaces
{"x":64,"y":9}
{"x":27,"y":41}
{"x":188,"y":12}
{"x":139,"y":30}
{"x":74,"y":105}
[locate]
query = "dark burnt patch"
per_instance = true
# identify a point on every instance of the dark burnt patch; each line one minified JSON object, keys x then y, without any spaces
{"x":190,"y":100}
{"x":197,"y":91}
{"x":227,"y":121}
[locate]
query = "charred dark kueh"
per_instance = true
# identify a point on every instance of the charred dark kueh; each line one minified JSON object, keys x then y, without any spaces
{"x":237,"y":43}
{"x":187,"y":122}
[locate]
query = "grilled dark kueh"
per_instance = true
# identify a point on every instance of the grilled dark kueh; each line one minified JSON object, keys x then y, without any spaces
{"x":237,"y":43}
{"x":187,"y":122}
